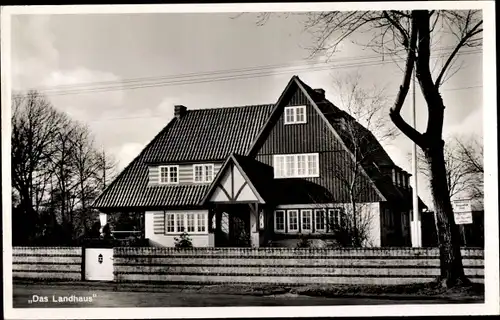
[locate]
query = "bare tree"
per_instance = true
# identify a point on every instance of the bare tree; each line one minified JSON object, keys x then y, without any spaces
{"x":464,"y":166}
{"x":56,"y":170}
{"x":470,"y":155}
{"x":363,"y":127}
{"x":413,"y":36}
{"x":34,"y":128}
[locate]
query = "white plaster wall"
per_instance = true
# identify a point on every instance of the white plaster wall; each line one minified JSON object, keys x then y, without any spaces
{"x":371,"y":211}
{"x":164,"y":240}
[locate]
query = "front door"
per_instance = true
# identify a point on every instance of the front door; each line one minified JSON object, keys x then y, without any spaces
{"x":99,"y":264}
{"x":233,"y":226}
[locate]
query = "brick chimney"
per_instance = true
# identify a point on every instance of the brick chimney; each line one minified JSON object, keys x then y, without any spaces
{"x":320,"y":92}
{"x":179,"y":111}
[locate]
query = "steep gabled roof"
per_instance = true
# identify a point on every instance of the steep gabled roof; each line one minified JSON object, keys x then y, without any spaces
{"x":200,"y":135}
{"x":214,"y":134}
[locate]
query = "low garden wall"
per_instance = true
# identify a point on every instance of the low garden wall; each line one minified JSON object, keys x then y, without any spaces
{"x":287,"y":266}
{"x":54,"y":263}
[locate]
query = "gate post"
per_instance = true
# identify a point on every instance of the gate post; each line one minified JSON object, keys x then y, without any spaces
{"x":83,"y":262}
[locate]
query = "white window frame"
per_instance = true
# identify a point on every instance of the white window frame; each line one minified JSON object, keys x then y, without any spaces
{"x":282,"y":172}
{"x":284,"y":221}
{"x":311,"y":220}
{"x":204,"y":176}
{"x":184,"y":217}
{"x":288,"y":214}
{"x":168,"y":168}
{"x":167,"y":215}
{"x":294,"y":114}
{"x":316,"y":220}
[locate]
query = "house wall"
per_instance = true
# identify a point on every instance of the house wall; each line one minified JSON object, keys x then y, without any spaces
{"x":185,"y":173}
{"x":155,"y":231}
{"x":370,"y":212}
{"x":315,"y":136}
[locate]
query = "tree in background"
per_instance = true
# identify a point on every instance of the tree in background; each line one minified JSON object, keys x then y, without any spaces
{"x":412,"y":36}
{"x":464,"y":166}
{"x":56,"y":172}
{"x":363,"y":127}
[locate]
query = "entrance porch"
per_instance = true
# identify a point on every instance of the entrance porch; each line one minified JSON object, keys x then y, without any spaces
{"x":237,"y":224}
{"x":236,"y":207}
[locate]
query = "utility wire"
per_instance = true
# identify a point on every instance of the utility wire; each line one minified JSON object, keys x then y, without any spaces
{"x":253,"y":73}
{"x":296,"y":63}
{"x":163,"y":116}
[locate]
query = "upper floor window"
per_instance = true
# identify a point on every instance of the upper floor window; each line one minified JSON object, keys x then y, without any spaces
{"x":296,"y":165}
{"x":295,"y":114}
{"x":169,"y":174}
{"x":203,"y":173}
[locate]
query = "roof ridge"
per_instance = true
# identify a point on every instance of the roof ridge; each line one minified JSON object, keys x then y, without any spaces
{"x":233,"y":107}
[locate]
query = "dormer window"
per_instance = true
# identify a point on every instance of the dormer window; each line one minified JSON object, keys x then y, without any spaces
{"x":169,"y":174}
{"x":295,"y":114}
{"x":203,"y":173}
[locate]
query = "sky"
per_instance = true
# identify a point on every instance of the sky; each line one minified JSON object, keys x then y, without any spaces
{"x":50,"y":51}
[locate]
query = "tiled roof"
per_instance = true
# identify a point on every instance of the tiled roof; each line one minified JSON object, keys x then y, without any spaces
{"x":204,"y":134}
{"x":214,"y":134}
{"x":209,"y":134}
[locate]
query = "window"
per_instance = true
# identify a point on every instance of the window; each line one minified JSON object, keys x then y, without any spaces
{"x":301,"y":165}
{"x":295,"y":114}
{"x":312,"y":164}
{"x":180,"y":222}
{"x":289,"y":115}
{"x":296,"y":165}
{"x":169,"y":174}
{"x":170,"y":222}
{"x":300,"y":116}
{"x":201,"y":222}
{"x":290,"y":165}
{"x":293,"y":220}
{"x":306,"y":225}
{"x":319,"y":219}
{"x":279,"y":221}
{"x":190,"y":222}
{"x":334,"y":219}
{"x":186,"y":221}
{"x":203,"y":173}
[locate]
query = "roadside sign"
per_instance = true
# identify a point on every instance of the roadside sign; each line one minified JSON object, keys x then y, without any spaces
{"x":462,"y":210}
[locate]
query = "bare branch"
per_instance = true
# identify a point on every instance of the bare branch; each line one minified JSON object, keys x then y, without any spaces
{"x":474,"y":31}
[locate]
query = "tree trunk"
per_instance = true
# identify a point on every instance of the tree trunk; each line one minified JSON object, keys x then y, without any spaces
{"x":355,"y":240}
{"x":452,"y":271}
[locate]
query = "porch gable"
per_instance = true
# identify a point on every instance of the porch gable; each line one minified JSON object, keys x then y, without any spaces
{"x":232,"y":185}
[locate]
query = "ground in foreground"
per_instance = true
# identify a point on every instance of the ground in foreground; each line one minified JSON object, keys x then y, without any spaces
{"x":46,"y":295}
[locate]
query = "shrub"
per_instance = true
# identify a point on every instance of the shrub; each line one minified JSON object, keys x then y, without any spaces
{"x":184,"y":241}
{"x":304,"y":242}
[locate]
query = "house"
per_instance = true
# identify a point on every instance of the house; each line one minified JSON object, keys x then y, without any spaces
{"x":262,"y":175}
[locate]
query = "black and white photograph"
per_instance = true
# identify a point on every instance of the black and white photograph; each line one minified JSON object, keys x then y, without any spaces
{"x":242,"y":159}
